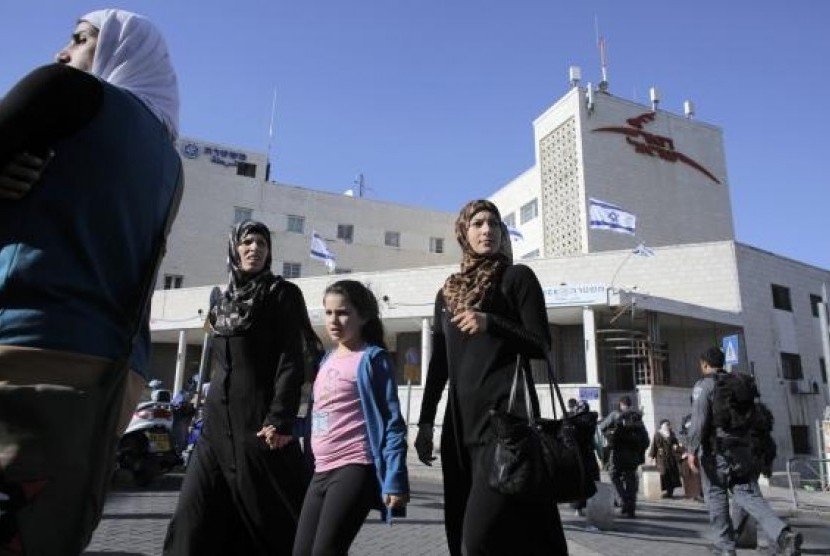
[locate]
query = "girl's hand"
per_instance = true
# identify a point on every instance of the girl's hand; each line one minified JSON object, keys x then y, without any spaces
{"x":470,"y":322}
{"x":273,"y":439}
{"x":396,"y":500}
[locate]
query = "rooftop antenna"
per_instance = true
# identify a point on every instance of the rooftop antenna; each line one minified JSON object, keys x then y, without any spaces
{"x":603,"y":58}
{"x":361,"y":185}
{"x":270,"y":136}
{"x":654,"y":95}
{"x":688,"y":109}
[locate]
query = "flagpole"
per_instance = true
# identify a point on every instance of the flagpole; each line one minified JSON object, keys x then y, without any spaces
{"x":270,"y":136}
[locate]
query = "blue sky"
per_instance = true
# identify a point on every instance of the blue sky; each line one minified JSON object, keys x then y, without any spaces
{"x":433,"y":100}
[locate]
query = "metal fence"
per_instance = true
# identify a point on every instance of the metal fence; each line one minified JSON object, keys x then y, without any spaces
{"x":810,"y":492}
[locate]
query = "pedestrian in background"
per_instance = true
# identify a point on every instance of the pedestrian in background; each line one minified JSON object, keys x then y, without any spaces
{"x":665,"y":451}
{"x":246,"y":479}
{"x":718,"y":465}
{"x":692,"y":487}
{"x":582,"y":412}
{"x":628,"y":441}
{"x":485,"y":316}
{"x":358,"y":436}
{"x":89,"y":183}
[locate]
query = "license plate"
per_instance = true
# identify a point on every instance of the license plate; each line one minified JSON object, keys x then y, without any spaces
{"x":158,"y":442}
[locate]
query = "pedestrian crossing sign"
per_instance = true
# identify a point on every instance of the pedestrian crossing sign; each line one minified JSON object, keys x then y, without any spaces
{"x":730,"y":349}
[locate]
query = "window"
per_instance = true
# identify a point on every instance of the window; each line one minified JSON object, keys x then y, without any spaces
{"x":815,"y":300}
{"x":392,"y":239}
{"x":338,"y":270}
{"x":510,"y":220}
{"x":246,"y":169}
{"x":531,"y":255}
{"x":345,"y":232}
{"x":781,"y":298}
{"x":173,"y":281}
{"x":529,"y":211}
{"x":291,"y":270}
{"x":296,"y":224}
{"x":241,"y":214}
{"x":800,"y":435}
{"x":791,"y":366}
{"x":436,"y":245}
{"x":822,"y":366}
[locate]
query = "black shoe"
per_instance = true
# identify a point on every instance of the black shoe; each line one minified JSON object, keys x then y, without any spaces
{"x":789,"y":543}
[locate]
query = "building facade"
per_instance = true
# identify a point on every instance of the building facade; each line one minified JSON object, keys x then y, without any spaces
{"x":622,"y":324}
{"x":224,"y":185}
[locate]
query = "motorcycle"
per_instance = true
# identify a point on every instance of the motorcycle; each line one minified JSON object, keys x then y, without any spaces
{"x":146,"y":448}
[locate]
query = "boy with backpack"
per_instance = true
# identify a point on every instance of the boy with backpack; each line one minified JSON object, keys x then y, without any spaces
{"x":628,"y":440}
{"x":723,"y":443}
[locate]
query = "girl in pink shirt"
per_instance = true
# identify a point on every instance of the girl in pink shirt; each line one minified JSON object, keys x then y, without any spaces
{"x":358,"y":436}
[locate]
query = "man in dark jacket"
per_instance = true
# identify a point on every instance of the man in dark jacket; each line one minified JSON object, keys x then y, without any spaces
{"x":709,"y":452}
{"x":628,"y":441}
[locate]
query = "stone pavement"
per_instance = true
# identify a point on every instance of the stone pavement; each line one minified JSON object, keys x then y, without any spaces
{"x":135,"y":521}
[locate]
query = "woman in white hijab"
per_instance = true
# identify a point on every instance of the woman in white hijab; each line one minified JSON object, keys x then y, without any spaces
{"x":89,"y":182}
{"x":131,"y":53}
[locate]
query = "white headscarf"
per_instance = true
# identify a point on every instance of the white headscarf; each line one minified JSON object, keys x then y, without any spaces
{"x":132,"y":54}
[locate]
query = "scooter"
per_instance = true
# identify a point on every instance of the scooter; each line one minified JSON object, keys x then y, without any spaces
{"x":193,"y":433}
{"x":146,"y":447}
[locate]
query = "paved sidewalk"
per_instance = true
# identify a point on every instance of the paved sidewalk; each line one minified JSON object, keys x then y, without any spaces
{"x":135,"y":521}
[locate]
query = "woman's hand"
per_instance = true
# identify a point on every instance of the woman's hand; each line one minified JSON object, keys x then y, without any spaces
{"x":423,"y":444}
{"x":471,"y":322}
{"x":273,"y":439}
{"x":21,"y":173}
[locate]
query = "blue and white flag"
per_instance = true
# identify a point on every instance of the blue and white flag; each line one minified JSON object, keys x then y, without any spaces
{"x":605,"y":216}
{"x":642,"y":251}
{"x":514,"y":233}
{"x":320,"y":251}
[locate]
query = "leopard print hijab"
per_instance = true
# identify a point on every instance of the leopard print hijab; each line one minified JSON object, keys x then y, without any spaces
{"x":479,"y":274}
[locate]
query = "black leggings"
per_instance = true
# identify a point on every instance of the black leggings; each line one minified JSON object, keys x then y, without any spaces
{"x":335,"y":506}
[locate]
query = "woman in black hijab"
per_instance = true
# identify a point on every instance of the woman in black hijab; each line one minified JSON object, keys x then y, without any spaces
{"x":246,"y":480}
{"x":485,"y":314}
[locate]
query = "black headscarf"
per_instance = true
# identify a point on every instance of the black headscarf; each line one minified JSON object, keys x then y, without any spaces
{"x":236,"y":309}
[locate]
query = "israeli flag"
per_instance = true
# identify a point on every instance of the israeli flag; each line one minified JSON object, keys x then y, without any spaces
{"x":642,"y":251}
{"x":514,"y":233}
{"x":320,"y":251}
{"x":605,"y":216}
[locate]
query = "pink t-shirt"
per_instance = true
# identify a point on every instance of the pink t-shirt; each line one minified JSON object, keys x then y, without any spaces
{"x":338,"y":427}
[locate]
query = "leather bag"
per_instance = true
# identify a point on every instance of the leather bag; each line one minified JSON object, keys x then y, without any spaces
{"x":531,"y":455}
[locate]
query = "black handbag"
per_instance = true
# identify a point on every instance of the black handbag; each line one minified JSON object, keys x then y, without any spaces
{"x":531,"y":455}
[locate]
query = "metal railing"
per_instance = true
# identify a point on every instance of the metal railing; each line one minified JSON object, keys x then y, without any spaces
{"x":813,"y":491}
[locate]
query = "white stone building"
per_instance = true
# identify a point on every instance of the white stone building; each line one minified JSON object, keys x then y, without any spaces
{"x":224,"y":185}
{"x":621,"y":323}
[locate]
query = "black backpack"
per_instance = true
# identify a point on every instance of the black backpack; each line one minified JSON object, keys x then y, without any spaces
{"x":733,"y":404}
{"x":763,"y":445}
{"x":743,"y":424}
